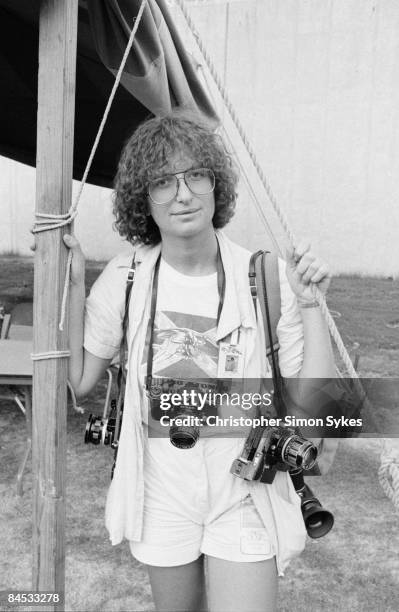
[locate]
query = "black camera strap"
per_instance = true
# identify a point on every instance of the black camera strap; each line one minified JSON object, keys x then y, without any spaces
{"x":221,"y":283}
{"x":121,"y":378}
{"x":260,"y":277}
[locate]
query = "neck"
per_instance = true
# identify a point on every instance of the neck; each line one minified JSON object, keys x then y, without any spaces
{"x":194,"y":256}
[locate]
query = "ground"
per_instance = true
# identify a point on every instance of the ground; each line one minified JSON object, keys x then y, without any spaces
{"x":354,"y":568}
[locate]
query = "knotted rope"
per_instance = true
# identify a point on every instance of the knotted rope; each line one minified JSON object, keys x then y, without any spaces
{"x":387,"y":459}
{"x":46,"y":221}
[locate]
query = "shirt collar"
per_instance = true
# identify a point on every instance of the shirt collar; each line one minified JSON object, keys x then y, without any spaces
{"x":238,"y":307}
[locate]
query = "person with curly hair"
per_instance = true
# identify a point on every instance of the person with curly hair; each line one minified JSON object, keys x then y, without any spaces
{"x":209,"y":540}
{"x":146,"y":156}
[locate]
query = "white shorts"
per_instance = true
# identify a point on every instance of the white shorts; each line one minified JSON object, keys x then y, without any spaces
{"x":193,"y":505}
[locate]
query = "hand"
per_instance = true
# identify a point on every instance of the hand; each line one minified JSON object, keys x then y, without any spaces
{"x":304,"y":269}
{"x":78,"y":260}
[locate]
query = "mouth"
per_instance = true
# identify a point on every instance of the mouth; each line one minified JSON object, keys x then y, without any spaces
{"x":185,"y":212}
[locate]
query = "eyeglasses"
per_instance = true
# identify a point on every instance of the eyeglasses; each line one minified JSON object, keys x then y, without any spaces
{"x":164,"y":189}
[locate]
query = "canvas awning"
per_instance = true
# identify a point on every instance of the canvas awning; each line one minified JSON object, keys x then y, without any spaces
{"x":159,"y":75}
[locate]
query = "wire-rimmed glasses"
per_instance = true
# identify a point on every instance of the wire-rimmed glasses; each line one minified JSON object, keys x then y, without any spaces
{"x":164,"y":189}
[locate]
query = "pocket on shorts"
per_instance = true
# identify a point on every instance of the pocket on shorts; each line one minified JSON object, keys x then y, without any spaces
{"x":291,"y":531}
{"x":254,"y":538}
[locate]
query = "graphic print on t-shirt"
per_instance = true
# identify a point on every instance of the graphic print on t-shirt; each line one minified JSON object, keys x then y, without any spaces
{"x":184,"y":346}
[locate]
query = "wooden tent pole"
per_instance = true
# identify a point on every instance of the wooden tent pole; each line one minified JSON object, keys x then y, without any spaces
{"x":55,"y":130}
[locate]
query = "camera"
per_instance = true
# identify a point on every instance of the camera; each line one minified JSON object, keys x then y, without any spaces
{"x":103,"y":430}
{"x":281,"y":448}
{"x":186,"y":419}
{"x":268,"y":450}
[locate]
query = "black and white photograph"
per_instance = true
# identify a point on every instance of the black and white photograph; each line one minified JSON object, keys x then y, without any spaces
{"x":199,"y":305}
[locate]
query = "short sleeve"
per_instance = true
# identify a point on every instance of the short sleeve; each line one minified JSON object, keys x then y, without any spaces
{"x":289,"y":328}
{"x":104,"y":310}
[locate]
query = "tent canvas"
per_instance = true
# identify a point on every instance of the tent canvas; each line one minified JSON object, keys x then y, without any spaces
{"x":158,"y":76}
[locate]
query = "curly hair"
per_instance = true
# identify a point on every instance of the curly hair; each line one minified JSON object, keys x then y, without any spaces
{"x":146,"y":154}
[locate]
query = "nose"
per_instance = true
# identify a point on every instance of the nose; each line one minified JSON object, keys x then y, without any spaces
{"x":183,"y":192}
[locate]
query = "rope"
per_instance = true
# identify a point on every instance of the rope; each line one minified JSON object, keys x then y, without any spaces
{"x":393,"y":467}
{"x":73,"y":397}
{"x":50,"y":221}
{"x":50,"y":355}
{"x":248,"y":184}
{"x":280,"y":215}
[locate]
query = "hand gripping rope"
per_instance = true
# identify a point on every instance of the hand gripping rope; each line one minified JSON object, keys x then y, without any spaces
{"x":389,"y":471}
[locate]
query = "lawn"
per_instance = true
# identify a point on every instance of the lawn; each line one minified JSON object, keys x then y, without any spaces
{"x":354,"y":568}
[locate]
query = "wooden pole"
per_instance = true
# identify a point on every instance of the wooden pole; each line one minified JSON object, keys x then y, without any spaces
{"x":55,"y":127}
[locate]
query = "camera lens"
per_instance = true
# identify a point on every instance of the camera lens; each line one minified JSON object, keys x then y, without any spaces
{"x":93,"y":430}
{"x":183,"y":436}
{"x":298,"y":452}
{"x":99,"y":430}
{"x":309,"y":456}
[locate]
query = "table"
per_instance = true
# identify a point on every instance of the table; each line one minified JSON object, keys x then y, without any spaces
{"x":16,"y":370}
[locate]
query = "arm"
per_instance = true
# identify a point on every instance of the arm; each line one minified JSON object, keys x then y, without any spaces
{"x":85,"y":369}
{"x":303,"y":270}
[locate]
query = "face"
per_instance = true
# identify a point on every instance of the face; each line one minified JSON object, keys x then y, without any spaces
{"x":188,"y":214}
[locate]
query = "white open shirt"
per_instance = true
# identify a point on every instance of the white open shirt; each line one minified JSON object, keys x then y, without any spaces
{"x":278,"y":503}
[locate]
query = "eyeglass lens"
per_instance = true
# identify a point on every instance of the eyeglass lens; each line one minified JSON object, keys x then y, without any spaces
{"x":200,"y":181}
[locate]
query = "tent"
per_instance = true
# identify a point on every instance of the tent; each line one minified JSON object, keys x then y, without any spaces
{"x":159,"y":75}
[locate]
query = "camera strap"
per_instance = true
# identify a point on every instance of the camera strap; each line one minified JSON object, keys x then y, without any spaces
{"x":121,"y":377}
{"x":264,"y":279}
{"x":221,"y":284}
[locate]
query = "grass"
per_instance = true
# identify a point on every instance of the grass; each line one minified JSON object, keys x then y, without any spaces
{"x":354,"y":568}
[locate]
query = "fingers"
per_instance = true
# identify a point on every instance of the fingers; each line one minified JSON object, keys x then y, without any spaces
{"x":310,"y":269}
{"x":71,"y":242}
{"x":296,"y":253}
{"x":322,"y":273}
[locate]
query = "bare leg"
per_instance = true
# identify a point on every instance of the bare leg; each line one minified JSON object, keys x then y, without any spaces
{"x":242,"y":587}
{"x":180,"y":588}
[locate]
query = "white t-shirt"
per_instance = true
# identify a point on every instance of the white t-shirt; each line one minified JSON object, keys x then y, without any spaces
{"x":184,"y":337}
{"x":185,"y":349}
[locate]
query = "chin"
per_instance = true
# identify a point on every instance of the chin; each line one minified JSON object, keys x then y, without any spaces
{"x":189,"y":232}
{"x":189,"y":229}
